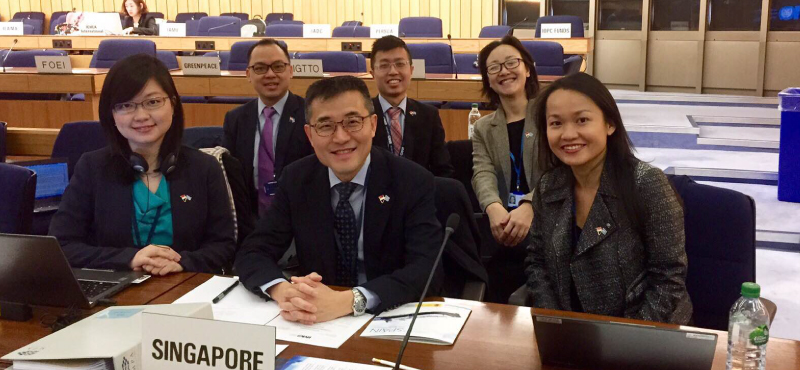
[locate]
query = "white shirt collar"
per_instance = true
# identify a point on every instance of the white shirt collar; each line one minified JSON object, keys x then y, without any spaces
{"x":278,"y":106}
{"x":361,"y":176}
{"x":385,"y":105}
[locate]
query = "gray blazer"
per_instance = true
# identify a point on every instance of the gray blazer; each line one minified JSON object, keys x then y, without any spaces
{"x":491,"y":163}
{"x":617,"y":271}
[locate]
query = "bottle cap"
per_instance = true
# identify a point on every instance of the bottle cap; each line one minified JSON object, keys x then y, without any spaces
{"x":751,"y":290}
{"x":474,"y":105}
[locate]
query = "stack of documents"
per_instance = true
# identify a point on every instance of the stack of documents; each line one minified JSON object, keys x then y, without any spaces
{"x":87,"y":364}
{"x":437,"y":323}
{"x":311,"y":363}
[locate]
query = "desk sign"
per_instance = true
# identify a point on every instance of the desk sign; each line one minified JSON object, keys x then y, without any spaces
{"x":317,"y":31}
{"x":11,"y":28}
{"x":200,"y":66}
{"x":556,"y":30}
{"x":307,"y":67}
{"x":187,"y":343}
{"x":377,"y":31}
{"x":419,"y":69}
{"x":53,"y":64}
{"x":172,"y":29}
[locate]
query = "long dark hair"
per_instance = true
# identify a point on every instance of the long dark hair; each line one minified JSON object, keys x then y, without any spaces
{"x":531,"y":83}
{"x":620,"y":160}
{"x":126,"y":79}
{"x":140,"y":3}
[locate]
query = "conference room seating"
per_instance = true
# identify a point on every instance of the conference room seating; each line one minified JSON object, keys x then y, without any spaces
{"x":572,"y":63}
{"x":157,"y":15}
{"x":223,"y":56}
{"x":219,"y":26}
{"x":494,"y":32}
{"x":284,"y":30}
{"x":192,"y":27}
{"x":243,"y":16}
{"x":420,"y":27}
{"x":202,"y":137}
{"x":271,"y":17}
{"x":338,"y":61}
{"x":548,"y":57}
{"x":54,"y":22}
{"x":76,"y":138}
{"x":183,"y":17}
{"x":237,"y":61}
{"x":438,"y":56}
{"x":57,"y":14}
{"x":36,"y":19}
{"x":467,"y":64}
{"x":111,"y":50}
{"x":351,"y":23}
{"x":16,"y":199}
{"x":26,"y":58}
{"x":3,"y":141}
{"x":286,"y":22}
{"x":350,"y":31}
{"x":168,"y":58}
{"x":29,"y":26}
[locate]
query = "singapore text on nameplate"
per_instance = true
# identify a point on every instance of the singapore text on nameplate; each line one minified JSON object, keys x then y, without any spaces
{"x":200,"y":66}
{"x":53,"y":64}
{"x":307,"y":67}
{"x":181,"y":343}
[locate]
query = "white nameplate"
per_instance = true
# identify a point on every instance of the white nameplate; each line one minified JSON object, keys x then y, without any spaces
{"x":172,"y":29}
{"x":317,"y":31}
{"x":377,"y":31}
{"x":11,"y":28}
{"x":307,"y":67}
{"x":200,"y":66}
{"x":556,"y":30}
{"x":186,"y":343}
{"x":419,"y":69}
{"x":53,"y":64}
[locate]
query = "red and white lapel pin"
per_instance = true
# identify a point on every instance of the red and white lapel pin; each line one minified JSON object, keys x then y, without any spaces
{"x":383,"y":198}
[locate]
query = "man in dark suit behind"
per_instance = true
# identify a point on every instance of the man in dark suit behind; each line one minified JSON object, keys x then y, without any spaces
{"x":359,"y":216}
{"x":266,"y":134}
{"x":406,"y":127}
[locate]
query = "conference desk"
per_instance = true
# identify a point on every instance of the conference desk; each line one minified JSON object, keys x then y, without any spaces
{"x":581,"y":46}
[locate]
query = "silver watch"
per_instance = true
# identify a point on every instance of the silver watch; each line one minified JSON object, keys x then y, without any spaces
{"x":359,"y":302}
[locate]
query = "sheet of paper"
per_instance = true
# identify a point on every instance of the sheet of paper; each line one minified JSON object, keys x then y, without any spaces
{"x":279,"y":348}
{"x":239,"y":305}
{"x":437,"y":323}
{"x":330,"y":334}
{"x":311,"y":363}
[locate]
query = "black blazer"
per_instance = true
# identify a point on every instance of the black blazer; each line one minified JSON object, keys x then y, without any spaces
{"x":401,"y":236}
{"x":147,"y":25}
{"x":240,"y":130}
{"x":94,"y":220}
{"x":423,"y":137}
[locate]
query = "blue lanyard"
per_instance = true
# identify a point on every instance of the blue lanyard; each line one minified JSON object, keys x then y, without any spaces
{"x":389,"y":136}
{"x":518,"y":167}
{"x":136,"y":236}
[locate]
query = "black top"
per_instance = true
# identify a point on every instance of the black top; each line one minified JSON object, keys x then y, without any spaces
{"x":515,"y":144}
{"x":147,"y":25}
{"x":573,"y":289}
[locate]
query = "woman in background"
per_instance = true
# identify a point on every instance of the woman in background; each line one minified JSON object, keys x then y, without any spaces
{"x":137,"y":21}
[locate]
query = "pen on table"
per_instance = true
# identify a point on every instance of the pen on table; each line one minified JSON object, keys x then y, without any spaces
{"x":225,"y":292}
{"x":391,"y":364}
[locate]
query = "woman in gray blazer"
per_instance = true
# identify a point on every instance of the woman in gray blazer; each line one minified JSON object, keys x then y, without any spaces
{"x":504,"y":161}
{"x":608,"y":237}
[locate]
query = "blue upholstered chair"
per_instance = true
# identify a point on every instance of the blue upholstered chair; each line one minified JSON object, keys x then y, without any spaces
{"x":271,"y":17}
{"x":437,"y":55}
{"x":286,"y":22}
{"x":157,"y":15}
{"x":3,"y":141}
{"x":351,"y":23}
{"x":243,"y":16}
{"x":572,"y":63}
{"x":112,"y":50}
{"x":36,"y":19}
{"x":284,"y":30}
{"x":168,"y":58}
{"x":338,"y":61}
{"x":420,"y":27}
{"x":76,"y":138}
{"x":192,"y":27}
{"x":55,"y":15}
{"x":467,"y":64}
{"x":16,"y":199}
{"x":548,"y":57}
{"x":183,"y":17}
{"x":351,"y":31}
{"x":494,"y":32}
{"x":202,"y":137}
{"x":219,"y":26}
{"x":237,"y":61}
{"x":29,"y":26}
{"x":61,"y":19}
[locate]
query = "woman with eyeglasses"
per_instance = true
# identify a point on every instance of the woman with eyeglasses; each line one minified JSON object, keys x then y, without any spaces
{"x":504,"y":162}
{"x":144,"y":202}
{"x":137,"y":20}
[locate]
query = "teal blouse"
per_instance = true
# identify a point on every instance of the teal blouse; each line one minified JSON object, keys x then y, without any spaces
{"x":145,"y":215}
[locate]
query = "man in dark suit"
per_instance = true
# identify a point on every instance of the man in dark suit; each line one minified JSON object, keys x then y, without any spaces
{"x":266,"y":134}
{"x":359,"y":216}
{"x":406,"y":127}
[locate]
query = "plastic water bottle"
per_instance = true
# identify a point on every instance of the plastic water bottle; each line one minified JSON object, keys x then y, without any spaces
{"x":748,"y":331}
{"x":474,"y":114}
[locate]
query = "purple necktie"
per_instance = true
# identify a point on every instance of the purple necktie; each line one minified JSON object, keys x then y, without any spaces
{"x":266,"y":160}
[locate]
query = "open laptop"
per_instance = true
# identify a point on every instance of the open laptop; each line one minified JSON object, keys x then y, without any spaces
{"x":594,"y":344}
{"x":101,"y":24}
{"x":52,"y":178}
{"x":34,"y":270}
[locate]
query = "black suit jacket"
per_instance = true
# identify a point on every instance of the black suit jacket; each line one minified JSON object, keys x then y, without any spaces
{"x":240,"y":130}
{"x":94,"y":220}
{"x":147,"y":25}
{"x":401,"y":236}
{"x":423,"y":137}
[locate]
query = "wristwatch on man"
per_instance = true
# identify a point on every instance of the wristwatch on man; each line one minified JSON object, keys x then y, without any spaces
{"x":359,"y":302}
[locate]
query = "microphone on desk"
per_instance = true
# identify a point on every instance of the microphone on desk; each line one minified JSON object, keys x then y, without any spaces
{"x":511,"y":30}
{"x":452,"y":54}
{"x":222,"y":26}
{"x":14,"y":43}
{"x":452,"y":225}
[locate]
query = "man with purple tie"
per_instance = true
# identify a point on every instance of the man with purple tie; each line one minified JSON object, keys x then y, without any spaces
{"x":266,"y":134}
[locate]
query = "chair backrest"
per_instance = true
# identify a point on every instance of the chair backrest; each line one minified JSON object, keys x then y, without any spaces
{"x":338,"y":61}
{"x":157,"y":15}
{"x":30,"y":26}
{"x":202,"y":137}
{"x":461,"y":159}
{"x":112,"y":50}
{"x":237,"y":60}
{"x":219,"y":26}
{"x":286,"y":22}
{"x":16,"y":199}
{"x":350,"y":31}
{"x":183,"y":17}
{"x":192,"y":27}
{"x":420,"y":27}
{"x":29,"y":15}
{"x":76,"y":138}
{"x":3,"y":141}
{"x":278,"y":17}
{"x":223,"y":56}
{"x":26,"y":58}
{"x":467,"y":63}
{"x":54,"y":22}
{"x":722,"y":255}
{"x":284,"y":30}
{"x":168,"y":58}
{"x":243,"y":16}
{"x":352,"y":23}
{"x":548,"y":57}
{"x":437,"y":55}
{"x":574,"y":20}
{"x":494,"y":32}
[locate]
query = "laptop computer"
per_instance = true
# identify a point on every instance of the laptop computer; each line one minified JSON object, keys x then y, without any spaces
{"x":52,"y":178}
{"x":34,"y":270}
{"x":594,"y":344}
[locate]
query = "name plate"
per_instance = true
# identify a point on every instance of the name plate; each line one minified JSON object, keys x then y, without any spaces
{"x":317,"y":31}
{"x":186,"y":343}
{"x":556,"y":31}
{"x":377,"y":31}
{"x":200,"y":66}
{"x":11,"y":28}
{"x":307,"y":67}
{"x":53,"y":64}
{"x":172,"y":29}
{"x":419,"y":69}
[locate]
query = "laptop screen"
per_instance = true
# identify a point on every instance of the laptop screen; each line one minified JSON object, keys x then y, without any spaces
{"x":51,"y":179}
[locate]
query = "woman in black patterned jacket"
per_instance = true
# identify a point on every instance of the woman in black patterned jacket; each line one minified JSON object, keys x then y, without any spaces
{"x":608,"y":236}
